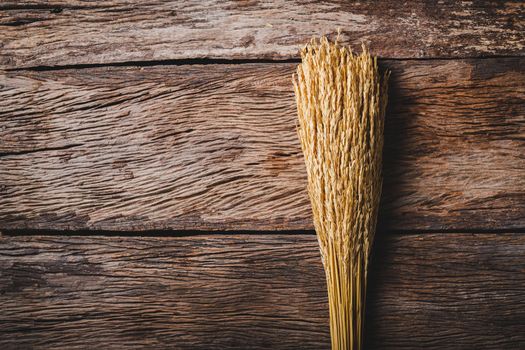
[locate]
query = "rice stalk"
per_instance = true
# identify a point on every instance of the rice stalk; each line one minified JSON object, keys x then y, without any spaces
{"x":341,"y":100}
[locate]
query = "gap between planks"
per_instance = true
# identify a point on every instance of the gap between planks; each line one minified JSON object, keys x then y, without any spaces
{"x":212,"y":61}
{"x":198,"y":233}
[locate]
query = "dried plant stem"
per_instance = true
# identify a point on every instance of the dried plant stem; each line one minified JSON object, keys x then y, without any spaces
{"x":341,"y":100}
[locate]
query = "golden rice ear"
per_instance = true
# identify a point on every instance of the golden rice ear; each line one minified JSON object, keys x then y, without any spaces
{"x":341,"y":99}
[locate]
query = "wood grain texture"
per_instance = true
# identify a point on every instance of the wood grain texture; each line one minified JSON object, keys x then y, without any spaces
{"x":436,"y":291}
{"x":58,"y":32}
{"x":215,"y":147}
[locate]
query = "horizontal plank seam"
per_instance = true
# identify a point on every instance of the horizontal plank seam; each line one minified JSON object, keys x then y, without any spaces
{"x":191,"y":233}
{"x":214,"y":61}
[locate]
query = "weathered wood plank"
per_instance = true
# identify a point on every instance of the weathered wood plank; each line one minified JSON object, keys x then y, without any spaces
{"x":438,"y":291}
{"x":214,"y":147}
{"x":60,"y":32}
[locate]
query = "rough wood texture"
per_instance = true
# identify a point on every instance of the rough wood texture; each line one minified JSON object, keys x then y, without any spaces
{"x":215,"y":147}
{"x":438,"y":291}
{"x":35,"y":33}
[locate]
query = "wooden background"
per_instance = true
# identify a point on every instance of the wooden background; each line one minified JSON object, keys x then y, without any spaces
{"x":152,"y":189}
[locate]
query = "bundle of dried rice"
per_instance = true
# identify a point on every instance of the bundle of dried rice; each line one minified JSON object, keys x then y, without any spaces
{"x":341,"y":100}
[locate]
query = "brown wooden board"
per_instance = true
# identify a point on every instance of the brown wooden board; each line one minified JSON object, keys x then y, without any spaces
{"x":214,"y":147}
{"x":436,"y":291}
{"x":58,"y":32}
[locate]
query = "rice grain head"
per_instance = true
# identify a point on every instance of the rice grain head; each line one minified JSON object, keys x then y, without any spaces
{"x":341,"y":100}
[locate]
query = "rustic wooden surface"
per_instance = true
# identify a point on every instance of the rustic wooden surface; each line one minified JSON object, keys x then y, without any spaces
{"x":255,"y":292}
{"x":107,"y":124}
{"x":215,"y":147}
{"x":58,"y":32}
